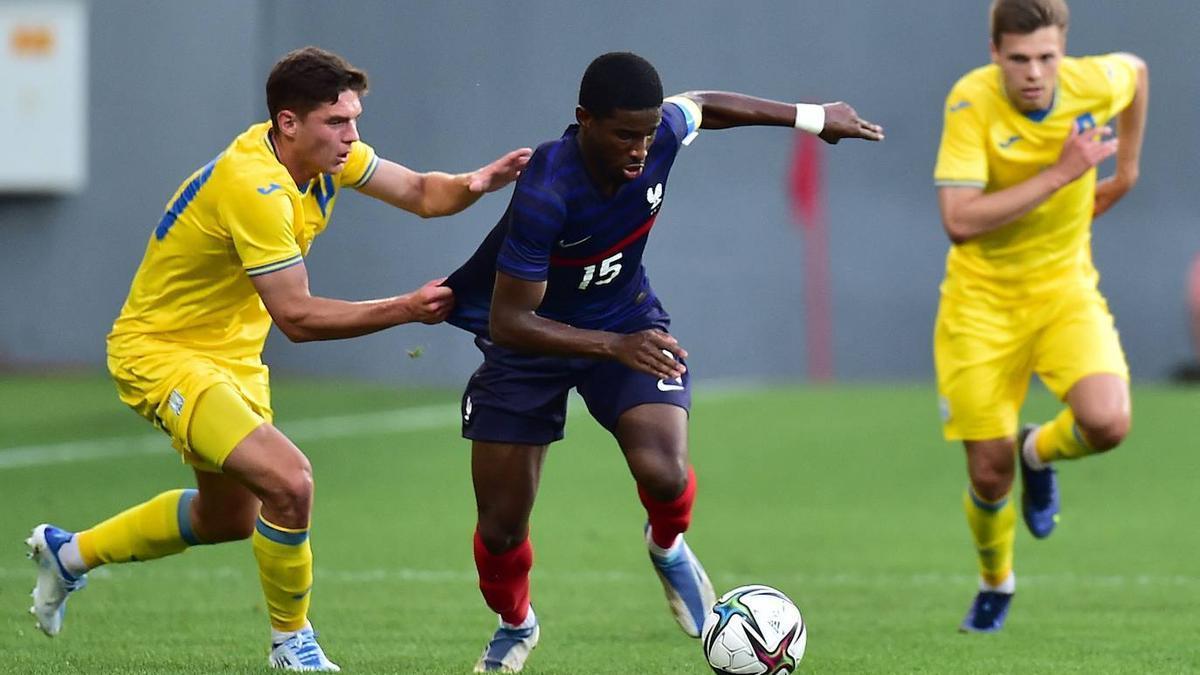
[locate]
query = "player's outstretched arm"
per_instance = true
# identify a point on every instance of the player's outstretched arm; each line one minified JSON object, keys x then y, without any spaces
{"x":1131,"y":128}
{"x":515,"y":324}
{"x":435,"y":193}
{"x":831,"y":121}
{"x":303,"y":317}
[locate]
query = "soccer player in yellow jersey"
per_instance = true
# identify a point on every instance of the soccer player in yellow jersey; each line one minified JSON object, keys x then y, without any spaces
{"x":227,"y":258}
{"x":1016,"y":178}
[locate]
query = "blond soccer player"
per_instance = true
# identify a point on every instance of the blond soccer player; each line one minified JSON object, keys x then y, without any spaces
{"x":224,"y":261}
{"x":1017,"y":188}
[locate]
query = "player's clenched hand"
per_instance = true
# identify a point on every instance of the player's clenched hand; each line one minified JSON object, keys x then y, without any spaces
{"x":431,"y":303}
{"x":1084,"y":150}
{"x":842,"y":122}
{"x":653,"y":352}
{"x":500,"y":172}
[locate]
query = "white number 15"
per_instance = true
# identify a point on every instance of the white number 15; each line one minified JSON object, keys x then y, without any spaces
{"x":609,"y":269}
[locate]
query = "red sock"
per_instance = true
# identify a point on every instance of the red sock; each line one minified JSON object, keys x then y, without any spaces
{"x":670,"y":519}
{"x":504,"y":579}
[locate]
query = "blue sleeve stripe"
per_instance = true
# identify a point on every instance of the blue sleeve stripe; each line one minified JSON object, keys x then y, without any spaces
{"x":184,"y":199}
{"x":275,"y":266}
{"x":368,"y":173}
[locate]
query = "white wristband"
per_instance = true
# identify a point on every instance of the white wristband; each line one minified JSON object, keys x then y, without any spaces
{"x":810,"y":117}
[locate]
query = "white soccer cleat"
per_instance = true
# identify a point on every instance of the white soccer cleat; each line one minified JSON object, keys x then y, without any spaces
{"x":689,"y":592}
{"x":507,"y":650}
{"x":53,"y":585}
{"x":301,"y":653}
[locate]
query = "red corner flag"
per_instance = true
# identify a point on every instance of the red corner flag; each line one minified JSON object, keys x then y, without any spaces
{"x":808,"y":207}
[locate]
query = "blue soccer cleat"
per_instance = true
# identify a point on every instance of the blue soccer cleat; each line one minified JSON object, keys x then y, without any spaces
{"x":300,"y":652}
{"x":1039,"y":496}
{"x":54,"y":585}
{"x":987,"y":613}
{"x":507,"y":650}
{"x":686,"y":585}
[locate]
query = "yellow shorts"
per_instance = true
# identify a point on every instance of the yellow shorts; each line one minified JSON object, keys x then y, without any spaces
{"x":985,"y":355}
{"x":168,"y":388}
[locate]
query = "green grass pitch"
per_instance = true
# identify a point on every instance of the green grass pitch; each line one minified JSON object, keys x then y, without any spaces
{"x":843,"y":497}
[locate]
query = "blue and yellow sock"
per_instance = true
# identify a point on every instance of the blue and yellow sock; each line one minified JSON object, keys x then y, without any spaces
{"x":285,"y":567}
{"x":993,"y":528}
{"x":1060,"y":439}
{"x":153,"y":529}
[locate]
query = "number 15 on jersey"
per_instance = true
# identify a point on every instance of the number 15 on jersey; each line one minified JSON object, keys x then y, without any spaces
{"x":609,"y":268}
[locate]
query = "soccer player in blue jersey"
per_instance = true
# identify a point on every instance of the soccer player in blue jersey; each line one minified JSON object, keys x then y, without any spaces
{"x":225,"y":261}
{"x":558,"y":299}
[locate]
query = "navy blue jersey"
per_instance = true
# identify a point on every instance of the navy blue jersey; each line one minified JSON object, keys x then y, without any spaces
{"x":588,"y":248}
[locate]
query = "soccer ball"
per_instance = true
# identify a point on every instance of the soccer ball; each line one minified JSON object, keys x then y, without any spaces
{"x":754,"y":630}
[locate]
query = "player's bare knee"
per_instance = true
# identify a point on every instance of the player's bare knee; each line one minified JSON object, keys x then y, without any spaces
{"x":661,"y":471}
{"x":991,"y":481}
{"x":665,"y":485}
{"x":991,"y":486}
{"x":298,"y":490}
{"x":1105,"y":432}
{"x":288,"y":495}
{"x":991,"y":466}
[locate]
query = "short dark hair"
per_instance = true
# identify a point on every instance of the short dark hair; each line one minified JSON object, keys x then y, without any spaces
{"x":305,"y":78}
{"x":1025,"y":16}
{"x":619,"y":80}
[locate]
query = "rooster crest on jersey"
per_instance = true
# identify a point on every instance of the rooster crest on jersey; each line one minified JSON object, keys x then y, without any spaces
{"x":654,"y":196}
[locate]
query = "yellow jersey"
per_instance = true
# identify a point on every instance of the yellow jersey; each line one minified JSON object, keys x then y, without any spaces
{"x":238,"y":216}
{"x":988,"y":143}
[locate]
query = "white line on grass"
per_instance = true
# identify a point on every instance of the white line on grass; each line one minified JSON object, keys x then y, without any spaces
{"x":399,"y":421}
{"x":800,"y":580}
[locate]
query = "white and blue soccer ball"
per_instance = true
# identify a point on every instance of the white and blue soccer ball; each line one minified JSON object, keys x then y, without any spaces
{"x":754,"y":630}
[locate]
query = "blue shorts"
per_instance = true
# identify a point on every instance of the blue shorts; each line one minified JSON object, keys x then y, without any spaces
{"x":522,"y":398}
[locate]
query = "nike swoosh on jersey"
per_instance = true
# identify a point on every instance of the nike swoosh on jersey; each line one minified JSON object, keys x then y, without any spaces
{"x":663,"y":386}
{"x":563,"y":244}
{"x":1010,"y":141}
{"x":269,"y":189}
{"x":960,"y":105}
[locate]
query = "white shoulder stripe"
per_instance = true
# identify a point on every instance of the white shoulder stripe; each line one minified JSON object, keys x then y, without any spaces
{"x":691,"y":113}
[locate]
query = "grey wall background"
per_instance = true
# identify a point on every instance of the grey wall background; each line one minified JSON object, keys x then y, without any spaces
{"x":456,"y":83}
